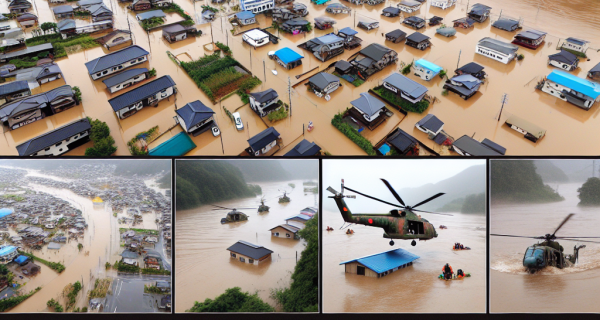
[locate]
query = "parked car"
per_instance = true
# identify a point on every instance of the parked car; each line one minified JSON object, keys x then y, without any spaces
{"x":238,"y":121}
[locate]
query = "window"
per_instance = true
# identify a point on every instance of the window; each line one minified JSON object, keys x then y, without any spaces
{"x":233,"y":255}
{"x":47,"y":149}
{"x":251,"y":260}
{"x":60,"y":150}
{"x":140,"y":59}
{"x":287,"y":235}
{"x":75,"y":136}
{"x":58,"y":144}
{"x":105,"y":72}
{"x":242,"y":259}
{"x":276,"y":234}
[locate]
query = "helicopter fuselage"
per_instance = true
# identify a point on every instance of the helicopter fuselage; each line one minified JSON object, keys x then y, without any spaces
{"x":548,"y":253}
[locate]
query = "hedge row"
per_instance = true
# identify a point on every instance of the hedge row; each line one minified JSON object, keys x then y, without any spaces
{"x":352,"y":134}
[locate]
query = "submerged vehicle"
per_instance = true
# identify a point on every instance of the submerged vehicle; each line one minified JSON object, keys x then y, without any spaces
{"x":284,"y":198}
{"x":234,"y":215}
{"x":549,"y":252}
{"x":263,"y":207}
{"x":403,"y":223}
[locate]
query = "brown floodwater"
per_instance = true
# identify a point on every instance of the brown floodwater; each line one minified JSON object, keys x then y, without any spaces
{"x":415,"y":288}
{"x":204,"y":268}
{"x":477,"y":116}
{"x":567,"y":290}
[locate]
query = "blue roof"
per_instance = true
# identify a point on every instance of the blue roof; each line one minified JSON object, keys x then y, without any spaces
{"x":6,"y":250}
{"x":300,"y":216}
{"x":287,"y":55}
{"x":384,"y":261}
{"x":589,"y":88}
{"x":4,"y":212}
{"x":21,"y":259}
{"x":384,"y":149}
{"x":348,"y":31}
{"x":244,"y":15}
{"x":428,"y":65}
{"x":179,"y":145}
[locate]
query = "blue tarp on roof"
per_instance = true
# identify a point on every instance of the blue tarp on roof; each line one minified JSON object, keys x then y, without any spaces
{"x":287,"y":55}
{"x":384,"y":261}
{"x":4,"y":212}
{"x":6,"y":250}
{"x":348,"y":31}
{"x":179,"y":145}
{"x":589,"y":88}
{"x":244,"y":15}
{"x":428,"y":65}
{"x":21,"y":259}
{"x":384,"y":149}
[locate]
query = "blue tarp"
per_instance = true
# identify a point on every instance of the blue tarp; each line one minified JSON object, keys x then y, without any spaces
{"x":244,"y":15}
{"x":179,"y":145}
{"x":384,"y":261}
{"x":21,"y":259}
{"x":6,"y":250}
{"x":589,"y":88}
{"x":428,"y":65}
{"x":4,"y":212}
{"x":287,"y":55}
{"x":384,"y":149}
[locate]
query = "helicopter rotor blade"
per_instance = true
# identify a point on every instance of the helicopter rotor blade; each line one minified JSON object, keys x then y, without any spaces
{"x":443,"y":214}
{"x":364,"y":195}
{"x":562,"y":223}
{"x":220,"y":207}
{"x":428,"y":199}
{"x":576,"y":237}
{"x":580,"y":240}
{"x":513,"y":236}
{"x":396,"y":195}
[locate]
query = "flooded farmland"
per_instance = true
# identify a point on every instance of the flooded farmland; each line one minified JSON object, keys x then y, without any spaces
{"x":476,"y":116}
{"x":204,"y":268}
{"x":571,"y":289}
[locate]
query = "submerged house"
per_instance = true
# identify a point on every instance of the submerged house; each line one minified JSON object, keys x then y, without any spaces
{"x":409,"y":6}
{"x":100,"y":12}
{"x":565,"y":86}
{"x":19,"y":6}
{"x":400,"y":143}
{"x":14,"y":90}
{"x":594,"y":72}
{"x":395,"y":36}
{"x":264,"y":102}
{"x":150,"y":14}
{"x":430,"y":124}
{"x":351,"y":41}
{"x":496,"y":49}
{"x":304,"y":149}
{"x":530,"y":131}
{"x":40,"y":75}
{"x":116,"y":61}
{"x":115,"y":38}
{"x":176,"y":32}
{"x":285,"y":231}
{"x":368,"y":109}
{"x":464,"y":23}
{"x":472,"y":68}
{"x":256,"y":38}
{"x":245,"y":18}
{"x":575,"y":44}
{"x":27,"y":52}
{"x":336,"y":8}
{"x":141,"y":5}
{"x":125,"y":79}
{"x":467,"y":146}
{"x":405,"y":88}
{"x":380,"y":264}
{"x":507,"y":24}
{"x":323,"y":83}
{"x":63,"y":11}
{"x":563,"y":60}
{"x":443,"y":4}
{"x":57,"y":141}
{"x":418,"y":40}
{"x":324,"y":23}
{"x":464,"y":85}
{"x":325,"y":47}
{"x":531,"y":38}
{"x":257,"y":6}
{"x":148,"y":94}
{"x":414,"y":22}
{"x":263,"y":142}
{"x":247,"y":252}
{"x":426,"y":70}
{"x":479,"y":12}
{"x":367,"y":23}
{"x":287,"y":58}
{"x":390,"y":12}
{"x":372,"y":59}
{"x":296,"y":26}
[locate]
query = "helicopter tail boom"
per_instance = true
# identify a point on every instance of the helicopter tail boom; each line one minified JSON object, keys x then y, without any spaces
{"x":341,"y":204}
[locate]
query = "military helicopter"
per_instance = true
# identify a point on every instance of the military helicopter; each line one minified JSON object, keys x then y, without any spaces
{"x":263,"y":207}
{"x":284,"y":198}
{"x":550,"y":252}
{"x":397,"y":224}
{"x":233,"y":215}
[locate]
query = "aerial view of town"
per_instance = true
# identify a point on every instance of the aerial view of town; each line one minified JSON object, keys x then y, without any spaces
{"x":299,"y":77}
{"x":85,"y":236}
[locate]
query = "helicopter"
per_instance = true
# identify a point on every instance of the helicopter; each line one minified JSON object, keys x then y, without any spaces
{"x":549,"y":252}
{"x":284,"y":198}
{"x":397,"y":224}
{"x":263,"y":207}
{"x":234,"y":215}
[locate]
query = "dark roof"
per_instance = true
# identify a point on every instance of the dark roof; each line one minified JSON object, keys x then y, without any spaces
{"x":304,"y":148}
{"x":467,"y":80}
{"x":368,"y":104}
{"x":431,"y":123}
{"x":402,"y":140}
{"x":129,"y":255}
{"x":405,"y":84}
{"x":471,"y":68}
{"x":474,"y":147}
{"x":115,"y":58}
{"x":417,"y":37}
{"x":13,"y":87}
{"x":596,"y":68}
{"x":28,"y":50}
{"x":125,"y":75}
{"x":494,"y":146}
{"x":107,"y":37}
{"x":505,"y":24}
{"x":150,"y":14}
{"x":343,"y":65}
{"x":297,"y":22}
{"x":264,"y":96}
{"x":66,"y":24}
{"x":249,"y":250}
{"x":194,"y":113}
{"x":577,"y":41}
{"x":262,"y":139}
{"x":43,"y":141}
{"x":396,"y":34}
{"x":348,"y":31}
{"x":99,"y":9}
{"x":564,"y":57}
{"x":337,"y":5}
{"x":34,"y":101}
{"x":62,"y":9}
{"x":322,"y":79}
{"x":531,"y":34}
{"x":479,"y":9}
{"x":392,"y":10}
{"x":466,"y":20}
{"x":141,"y":92}
{"x":375,"y":51}
{"x":174,"y":28}
{"x":287,"y":227}
{"x":384,"y":261}
{"x":89,"y":2}
{"x":497,"y":45}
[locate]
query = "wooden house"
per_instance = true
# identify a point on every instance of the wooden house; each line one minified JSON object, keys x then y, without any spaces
{"x":264,"y":102}
{"x":14,"y":90}
{"x":415,"y":22}
{"x":395,"y":36}
{"x":125,"y":79}
{"x":115,"y":38}
{"x":116,"y":61}
{"x":430,"y":124}
{"x":530,"y":131}
{"x":464,"y":85}
{"x":563,"y":60}
{"x":531,"y":38}
{"x":405,"y":88}
{"x":467,"y":146}
{"x":380,"y":264}
{"x":148,"y":94}
{"x":565,"y":86}
{"x":263,"y":142}
{"x":323,"y":83}
{"x":575,"y":44}
{"x":304,"y":148}
{"x":464,"y":23}
{"x":418,"y":40}
{"x":141,"y":5}
{"x":285,"y":231}
{"x":247,"y":252}
{"x":409,"y":6}
{"x":195,"y":118}
{"x":373,"y":59}
{"x":443,"y":4}
{"x":496,"y":49}
{"x":57,"y":141}
{"x":426,"y":70}
{"x":479,"y":12}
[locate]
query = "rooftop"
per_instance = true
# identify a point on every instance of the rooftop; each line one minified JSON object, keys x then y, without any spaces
{"x":384,"y":261}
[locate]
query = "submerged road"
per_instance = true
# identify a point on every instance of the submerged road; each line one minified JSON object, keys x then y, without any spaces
{"x":128,"y":294}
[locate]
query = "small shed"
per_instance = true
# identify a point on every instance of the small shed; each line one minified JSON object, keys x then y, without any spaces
{"x":430,"y":124}
{"x":323,"y":83}
{"x":564,"y":60}
{"x":264,"y":141}
{"x":390,"y":12}
{"x":380,"y":264}
{"x":247,"y":252}
{"x":472,"y":68}
{"x":467,"y":146}
{"x":426,"y":70}
{"x":414,"y":22}
{"x":287,"y":58}
{"x":531,"y":38}
{"x":285,"y":231}
{"x":418,"y":40}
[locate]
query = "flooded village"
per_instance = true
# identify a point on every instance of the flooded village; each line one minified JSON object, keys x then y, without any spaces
{"x":325,"y":78}
{"x":83,"y":238}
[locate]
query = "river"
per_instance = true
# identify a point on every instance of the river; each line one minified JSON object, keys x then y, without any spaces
{"x":204,"y":268}
{"x":566,"y":290}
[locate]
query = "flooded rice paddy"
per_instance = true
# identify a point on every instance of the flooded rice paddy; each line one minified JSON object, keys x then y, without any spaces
{"x":568,"y":126}
{"x":204,"y":268}
{"x":572,"y":289}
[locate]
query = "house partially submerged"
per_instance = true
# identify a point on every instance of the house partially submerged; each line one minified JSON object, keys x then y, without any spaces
{"x":418,"y":40}
{"x":575,"y":44}
{"x":415,"y":22}
{"x":40,"y":75}
{"x":531,"y":38}
{"x":369,"y":110}
{"x":150,"y":14}
{"x":472,"y":68}
{"x":19,"y":6}
{"x":125,"y":79}
{"x":141,"y":5}
{"x":351,"y":41}
{"x":409,"y":6}
{"x":57,"y":141}
{"x":263,"y":142}
{"x":580,"y":92}
{"x":367,"y":23}
{"x":30,"y":269}
{"x":380,"y":264}
{"x":7,"y":254}
{"x":530,"y":131}
{"x":467,"y":146}
{"x":430,"y":124}
{"x":14,"y":90}
{"x":296,"y":26}
{"x":63,"y":11}
{"x":325,"y":47}
{"x":426,"y":70}
{"x":324,"y":23}
{"x":390,"y":12}
{"x":177,"y":32}
{"x":285,"y":231}
{"x":116,"y":61}
{"x":323,"y":83}
{"x":443,"y":4}
{"x":257,"y":6}
{"x":244,"y":18}
{"x":594,"y":72}
{"x":304,"y":149}
{"x":563,"y":60}
{"x":507,"y":24}
{"x":464,"y":85}
{"x":479,"y":12}
{"x":148,"y":94}
{"x":373,"y":59}
{"x":27,"y":52}
{"x":100,"y":12}
{"x":395,"y":36}
{"x":398,"y":142}
{"x":464,"y":23}
{"x":405,"y":88}
{"x":496,"y":49}
{"x":264,"y":102}
{"x":247,"y":252}
{"x":287,"y":58}
{"x":291,"y":11}
{"x":115,"y":38}
{"x":336,"y":8}
{"x":256,"y":38}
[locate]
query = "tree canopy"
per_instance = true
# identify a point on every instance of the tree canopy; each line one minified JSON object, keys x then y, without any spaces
{"x":517,"y":181}
{"x":589,"y":193}
{"x":103,"y":142}
{"x":233,"y":300}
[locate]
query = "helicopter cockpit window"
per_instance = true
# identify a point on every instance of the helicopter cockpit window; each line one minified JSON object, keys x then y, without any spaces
{"x":539,"y":254}
{"x":529,"y":252}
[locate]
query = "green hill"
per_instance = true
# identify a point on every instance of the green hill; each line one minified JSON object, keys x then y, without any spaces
{"x":473,"y":203}
{"x":261,"y":170}
{"x":518,"y":181}
{"x":589,"y":193}
{"x":549,"y":172}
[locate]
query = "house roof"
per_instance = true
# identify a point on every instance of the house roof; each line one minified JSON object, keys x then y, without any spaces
{"x":13,"y":87}
{"x":34,"y":101}
{"x":287,"y":227}
{"x":577,"y":41}
{"x":410,"y":3}
{"x":536,"y":131}
{"x":589,"y":88}
{"x":130,"y":97}
{"x":129,"y":255}
{"x":494,"y":146}
{"x":323,"y":79}
{"x":125,"y":75}
{"x":596,"y":68}
{"x":262,"y":139}
{"x":405,"y":84}
{"x":328,"y":38}
{"x":28,"y":50}
{"x":99,"y":9}
{"x":479,"y":9}
{"x":300,"y":216}
{"x":375,"y":51}
{"x":396,"y":34}
{"x":348,"y":31}
{"x":150,"y":14}
{"x":402,"y":140}
{"x":428,"y":65}
{"x":304,"y":148}
{"x":21,"y":259}
{"x":5,"y":212}
{"x":531,"y":34}
{"x":431,"y":123}
{"x":474,"y":147}
{"x":287,"y":55}
{"x":564,"y":57}
{"x":471,"y":68}
{"x":497,"y":45}
{"x":297,"y":22}
{"x":368,"y":104}
{"x":174,"y":28}
{"x":88,"y":2}
{"x":264,"y":96}
{"x":324,"y":19}
{"x":7,"y":250}
{"x":343,"y":65}
{"x":249,"y":250}
{"x":310,"y":210}
{"x":115,"y":58}
{"x":384,"y":261}
{"x":505,"y":24}
{"x":62,"y":9}
{"x":336,"y":5}
{"x":107,"y":37}
{"x":466,"y":20}
{"x":245,"y":15}
{"x":467,"y":80}
{"x":417,"y":37}
{"x":47,"y":139}
{"x":256,"y":34}
{"x":66,"y":24}
{"x":414,"y":19}
{"x":446,"y":31}
{"x":179,"y":145}
{"x":194,"y":113}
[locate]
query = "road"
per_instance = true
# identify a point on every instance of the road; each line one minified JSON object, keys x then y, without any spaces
{"x":128,"y":294}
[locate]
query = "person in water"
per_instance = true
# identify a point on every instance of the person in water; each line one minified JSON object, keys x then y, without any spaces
{"x":447,"y":270}
{"x":459,"y":274}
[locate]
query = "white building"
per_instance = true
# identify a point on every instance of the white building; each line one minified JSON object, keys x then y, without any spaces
{"x":256,"y":38}
{"x":57,"y":142}
{"x":576,"y":44}
{"x":443,"y":4}
{"x":257,"y":6}
{"x":116,"y":61}
{"x":497,"y":50}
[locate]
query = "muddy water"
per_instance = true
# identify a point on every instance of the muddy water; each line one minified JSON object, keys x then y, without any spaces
{"x":204,"y":268}
{"x":416,"y":288}
{"x":569,"y":290}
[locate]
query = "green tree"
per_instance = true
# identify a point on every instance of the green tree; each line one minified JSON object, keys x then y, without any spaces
{"x":3,"y":270}
{"x":474,"y":203}
{"x":233,"y":300}
{"x":49,"y":26}
{"x":103,"y":142}
{"x":589,"y":193}
{"x":100,"y":130}
{"x":518,"y":181}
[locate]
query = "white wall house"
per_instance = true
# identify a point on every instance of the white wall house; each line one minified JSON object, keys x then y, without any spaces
{"x":61,"y":147}
{"x":576,"y":44}
{"x":402,"y":94}
{"x":443,"y":4}
{"x":257,"y":6}
{"x":150,"y":101}
{"x":127,"y":83}
{"x":556,"y":90}
{"x":118,"y":68}
{"x":494,"y":54}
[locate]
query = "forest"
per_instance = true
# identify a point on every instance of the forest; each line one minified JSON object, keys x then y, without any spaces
{"x":518,"y":181}
{"x":589,"y":193}
{"x":473,"y":203}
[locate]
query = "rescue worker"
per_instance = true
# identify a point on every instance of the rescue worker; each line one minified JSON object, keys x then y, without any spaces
{"x":447,"y":270}
{"x":459,"y":274}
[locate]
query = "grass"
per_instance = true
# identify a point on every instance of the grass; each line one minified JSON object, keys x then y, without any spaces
{"x":152,"y":22}
{"x":9,"y":303}
{"x":352,"y":134}
{"x":279,"y":113}
{"x":154,"y":271}
{"x":144,"y":231}
{"x":56,"y":266}
{"x":60,"y":45}
{"x":101,"y":288}
{"x":418,"y":107}
{"x":406,"y":69}
{"x":15,"y":197}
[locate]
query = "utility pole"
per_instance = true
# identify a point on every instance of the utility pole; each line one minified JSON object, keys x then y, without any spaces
{"x":504,"y":100}
{"x":458,"y":62}
{"x":290,"y":94}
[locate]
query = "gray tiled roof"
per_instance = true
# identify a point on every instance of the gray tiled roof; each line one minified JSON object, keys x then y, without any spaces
{"x":139,"y":93}
{"x":115,"y":58}
{"x":43,"y":141}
